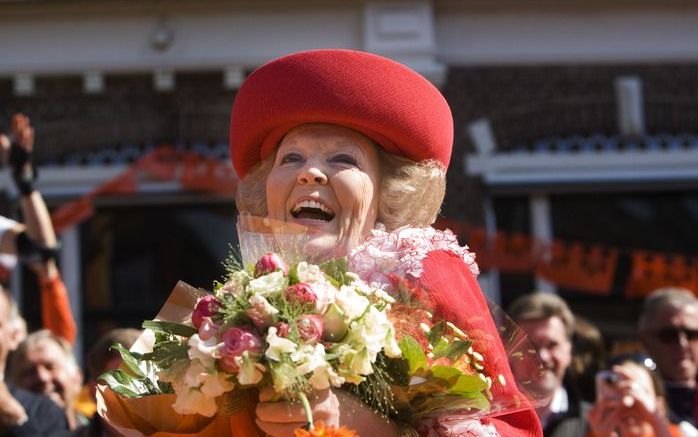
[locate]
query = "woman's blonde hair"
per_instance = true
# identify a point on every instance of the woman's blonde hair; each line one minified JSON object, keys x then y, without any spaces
{"x":411,"y":192}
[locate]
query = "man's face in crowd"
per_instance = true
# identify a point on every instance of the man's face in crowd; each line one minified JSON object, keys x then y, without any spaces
{"x":46,"y":369}
{"x":5,"y":337}
{"x":549,"y":338}
{"x":671,"y":338}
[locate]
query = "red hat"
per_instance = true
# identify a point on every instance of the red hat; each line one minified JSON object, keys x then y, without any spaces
{"x":384,"y":100}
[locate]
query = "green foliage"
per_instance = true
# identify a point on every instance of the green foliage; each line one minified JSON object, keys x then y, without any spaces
{"x":436,"y":333}
{"x":412,"y":352}
{"x":453,"y":351}
{"x":337,"y":269}
{"x":169,"y":328}
{"x":139,"y":378}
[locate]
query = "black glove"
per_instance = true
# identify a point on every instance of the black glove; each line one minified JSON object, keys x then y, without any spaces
{"x":24,"y":175}
{"x":29,"y":251}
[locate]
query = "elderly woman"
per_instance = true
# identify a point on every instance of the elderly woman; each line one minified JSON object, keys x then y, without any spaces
{"x":346,"y":142}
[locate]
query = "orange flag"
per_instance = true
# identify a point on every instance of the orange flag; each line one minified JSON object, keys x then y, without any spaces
{"x":578,"y":267}
{"x":652,"y":270}
{"x":506,"y":252}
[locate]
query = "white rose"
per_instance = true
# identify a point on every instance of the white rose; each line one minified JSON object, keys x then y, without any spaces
{"x":309,"y":273}
{"x":267,"y":285}
{"x":352,"y":303}
{"x":236,"y":284}
{"x":325,"y":295}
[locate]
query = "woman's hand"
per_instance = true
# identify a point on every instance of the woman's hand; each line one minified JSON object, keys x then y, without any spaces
{"x":334,"y":407}
{"x":281,"y":418}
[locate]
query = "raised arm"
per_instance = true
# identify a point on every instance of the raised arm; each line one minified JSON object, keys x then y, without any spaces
{"x":37,"y":244}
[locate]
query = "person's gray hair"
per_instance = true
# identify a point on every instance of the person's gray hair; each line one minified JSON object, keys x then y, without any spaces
{"x":411,"y":192}
{"x":538,"y":305}
{"x":33,"y":340}
{"x":664,"y":298}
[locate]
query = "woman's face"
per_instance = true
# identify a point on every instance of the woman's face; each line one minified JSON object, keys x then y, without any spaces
{"x":326,"y":177}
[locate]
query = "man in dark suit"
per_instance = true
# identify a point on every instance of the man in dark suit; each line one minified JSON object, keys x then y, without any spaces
{"x":22,"y":413}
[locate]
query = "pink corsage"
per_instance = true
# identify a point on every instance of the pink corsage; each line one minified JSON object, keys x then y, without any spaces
{"x":402,"y":251}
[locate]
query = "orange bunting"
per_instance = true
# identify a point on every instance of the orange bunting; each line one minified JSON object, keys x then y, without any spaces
{"x":162,"y":164}
{"x":651,"y":270}
{"x":125,"y":183}
{"x":208,"y":175}
{"x":72,"y":213}
{"x":508,"y":253}
{"x":575,"y":266}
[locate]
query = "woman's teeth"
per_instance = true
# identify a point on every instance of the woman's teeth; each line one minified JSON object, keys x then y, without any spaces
{"x":311,"y":209}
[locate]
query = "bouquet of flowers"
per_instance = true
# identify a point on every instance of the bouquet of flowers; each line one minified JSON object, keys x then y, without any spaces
{"x":366,"y":324}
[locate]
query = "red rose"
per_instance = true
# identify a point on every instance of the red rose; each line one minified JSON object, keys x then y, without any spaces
{"x":270,"y":263}
{"x":310,"y":328}
{"x":300,"y":293}
{"x":207,"y":306}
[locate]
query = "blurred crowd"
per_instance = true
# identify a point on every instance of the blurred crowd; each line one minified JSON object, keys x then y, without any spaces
{"x":43,"y":390}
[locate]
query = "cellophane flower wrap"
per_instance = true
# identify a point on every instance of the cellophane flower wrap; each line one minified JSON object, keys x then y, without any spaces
{"x":369,"y":323}
{"x":295,"y":327}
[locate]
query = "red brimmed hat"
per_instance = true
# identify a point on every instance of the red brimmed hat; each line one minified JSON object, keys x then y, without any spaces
{"x":384,"y":100}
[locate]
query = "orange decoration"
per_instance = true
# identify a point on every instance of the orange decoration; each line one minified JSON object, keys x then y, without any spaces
{"x":72,"y":213}
{"x":162,"y":164}
{"x":651,"y":270}
{"x":208,"y":175}
{"x":574,"y":266}
{"x":321,"y":431}
{"x":505,"y":252}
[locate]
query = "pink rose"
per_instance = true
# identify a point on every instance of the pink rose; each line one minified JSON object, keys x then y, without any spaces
{"x":208,"y":329}
{"x":270,"y":263}
{"x":236,"y":341}
{"x":300,"y":293}
{"x":282,"y":329}
{"x":310,"y":328}
{"x":207,"y":306}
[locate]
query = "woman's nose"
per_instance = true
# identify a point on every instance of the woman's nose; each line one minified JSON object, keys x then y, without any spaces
{"x":312,"y":175}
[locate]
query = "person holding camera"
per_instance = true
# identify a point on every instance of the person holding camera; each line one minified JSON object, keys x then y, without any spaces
{"x":630,"y":403}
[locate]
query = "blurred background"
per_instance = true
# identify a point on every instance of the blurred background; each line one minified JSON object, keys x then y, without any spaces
{"x":575,"y":164}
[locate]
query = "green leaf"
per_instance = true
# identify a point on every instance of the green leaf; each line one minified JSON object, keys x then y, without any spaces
{"x":413,"y":353}
{"x":468,"y":384}
{"x":293,"y":275}
{"x":440,"y":347}
{"x":169,"y":328}
{"x":447,"y":373}
{"x":128,"y":359}
{"x":453,"y":351}
{"x":122,"y":383}
{"x":436,"y":333}
{"x":337,"y":270}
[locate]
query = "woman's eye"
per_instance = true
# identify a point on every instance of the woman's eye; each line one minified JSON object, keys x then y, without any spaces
{"x":344,"y":159}
{"x":291,"y":157}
